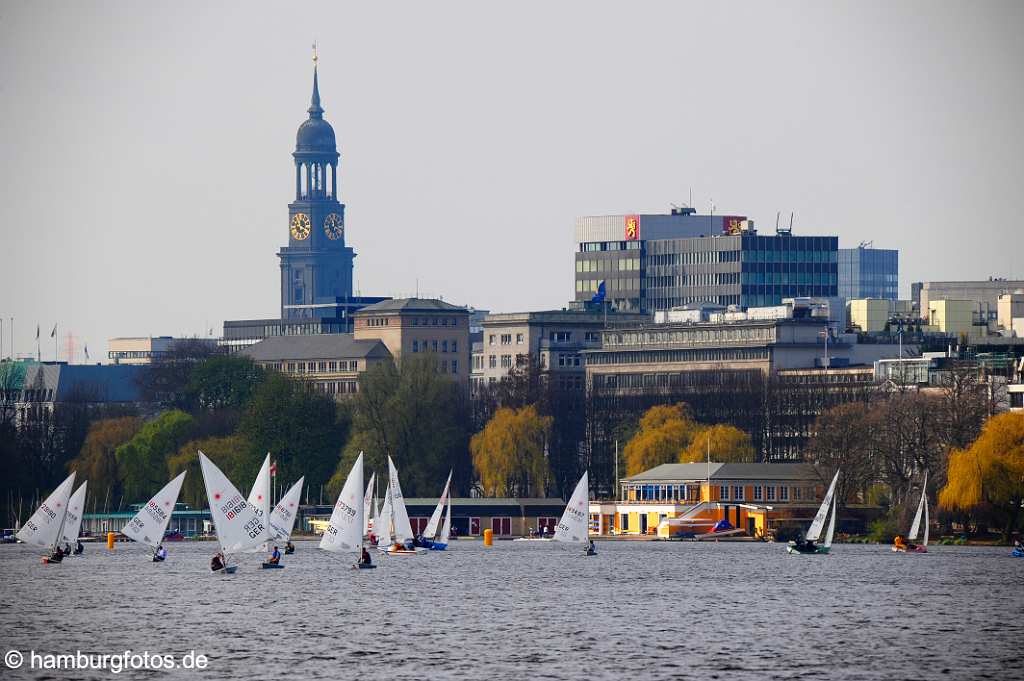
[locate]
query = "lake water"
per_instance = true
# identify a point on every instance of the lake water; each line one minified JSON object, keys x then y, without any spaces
{"x":529,"y":610}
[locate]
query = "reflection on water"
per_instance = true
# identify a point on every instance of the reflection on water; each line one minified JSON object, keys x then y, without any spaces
{"x":530,"y":610}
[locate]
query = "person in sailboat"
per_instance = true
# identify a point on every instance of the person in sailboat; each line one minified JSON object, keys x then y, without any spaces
{"x":79,"y":547}
{"x":364,"y":557}
{"x":161,"y":553}
{"x":67,"y":549}
{"x":805,"y":545}
{"x":275,"y":557}
{"x":289,"y":548}
{"x":591,"y":549}
{"x":217,"y":562}
{"x":58,"y":555}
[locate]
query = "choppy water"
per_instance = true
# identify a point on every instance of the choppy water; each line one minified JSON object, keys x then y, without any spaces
{"x":527,"y":610}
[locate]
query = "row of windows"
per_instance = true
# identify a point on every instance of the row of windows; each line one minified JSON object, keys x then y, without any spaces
{"x":506,"y":339}
{"x":790,"y":256}
{"x":337,"y":387}
{"x":718,"y":279}
{"x":668,"y":302}
{"x":726,"y":492}
{"x":319,"y":367}
{"x":741,"y":334}
{"x":612,"y":285}
{"x":783,"y":278}
{"x":435,"y":321}
{"x":693,"y":258}
{"x":613,"y":265}
{"x":593,"y":246}
{"x":435,"y":346}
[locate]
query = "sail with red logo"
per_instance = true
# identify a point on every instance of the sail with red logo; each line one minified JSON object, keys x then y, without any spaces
{"x":238,"y":526}
{"x":573,"y":527}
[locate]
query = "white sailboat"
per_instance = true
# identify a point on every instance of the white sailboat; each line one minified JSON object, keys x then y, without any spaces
{"x":282,"y":518}
{"x":383,"y":524}
{"x":441,"y":542}
{"x":46,"y":525}
{"x":344,"y":532}
{"x":574,"y":526}
{"x":807,"y":545}
{"x":368,"y":504}
{"x":259,"y":501}
{"x":73,"y":522}
{"x":150,"y":523}
{"x":401,"y":528}
{"x":922,"y":512}
{"x":438,"y":541}
{"x":239,"y":529}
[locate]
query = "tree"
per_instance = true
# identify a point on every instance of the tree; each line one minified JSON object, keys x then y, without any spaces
{"x":728,"y":444}
{"x":232,"y":454}
{"x":845,"y":440}
{"x":142,"y":461}
{"x":303,"y":430}
{"x":97,"y":460}
{"x":417,"y":416}
{"x":990,"y":472}
{"x":165,"y":381}
{"x":220,"y":383}
{"x":508,"y":454}
{"x":665,"y":432}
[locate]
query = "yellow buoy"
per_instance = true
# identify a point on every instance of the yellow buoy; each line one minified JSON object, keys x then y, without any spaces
{"x":110,"y":540}
{"x":488,"y":537}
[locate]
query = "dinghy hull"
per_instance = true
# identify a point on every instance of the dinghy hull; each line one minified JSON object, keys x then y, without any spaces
{"x":364,"y":566}
{"x":272,"y":566}
{"x":1018,"y":553}
{"x":229,"y":570}
{"x":437,"y":546}
{"x":818,"y":550}
{"x":904,"y":549}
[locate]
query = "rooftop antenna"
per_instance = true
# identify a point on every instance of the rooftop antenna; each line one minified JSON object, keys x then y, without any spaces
{"x":777,"y":214}
{"x":691,"y":198}
{"x":866,"y":244}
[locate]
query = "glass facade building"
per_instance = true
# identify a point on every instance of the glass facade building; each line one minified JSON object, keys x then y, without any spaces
{"x":745,"y":269}
{"x":868,"y":273}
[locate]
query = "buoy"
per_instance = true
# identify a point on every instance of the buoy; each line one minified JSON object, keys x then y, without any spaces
{"x":110,"y":541}
{"x":488,"y":537}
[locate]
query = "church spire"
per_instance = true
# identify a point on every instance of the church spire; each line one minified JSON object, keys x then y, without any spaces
{"x":315,"y":111}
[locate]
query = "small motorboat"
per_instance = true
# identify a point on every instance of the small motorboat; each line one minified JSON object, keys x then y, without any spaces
{"x":272,"y":566}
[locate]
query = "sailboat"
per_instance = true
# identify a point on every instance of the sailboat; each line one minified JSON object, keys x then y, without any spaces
{"x":807,"y":545}
{"x":368,"y":505}
{"x":150,"y":523}
{"x":399,"y":529}
{"x":344,"y":532}
{"x":574,"y":526}
{"x":259,"y":501}
{"x":239,"y":529}
{"x":46,"y":526}
{"x":432,"y":538}
{"x":922,"y":508}
{"x":73,"y":522}
{"x":282,"y":518}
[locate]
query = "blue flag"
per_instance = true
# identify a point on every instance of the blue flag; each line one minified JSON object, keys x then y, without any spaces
{"x":599,"y":296}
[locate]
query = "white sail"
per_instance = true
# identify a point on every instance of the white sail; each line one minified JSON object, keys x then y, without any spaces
{"x":259,"y":500}
{"x":376,"y":517}
{"x":573,"y":527}
{"x":73,"y":521}
{"x":446,"y":527}
{"x":282,"y":518}
{"x":832,"y":522}
{"x":368,"y":504}
{"x":44,"y":527}
{"x":345,"y":530}
{"x":819,"y":518}
{"x":383,"y":526}
{"x":400,"y":517}
{"x":435,"y":517}
{"x":238,"y":526}
{"x":915,"y":527}
{"x":149,"y":524}
{"x":925,"y":497}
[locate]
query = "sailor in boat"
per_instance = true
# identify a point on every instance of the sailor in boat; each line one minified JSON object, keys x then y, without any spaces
{"x":67,"y":549}
{"x":275,"y":557}
{"x":364,"y":557}
{"x":217,"y":562}
{"x":79,"y":547}
{"x":161,"y":553}
{"x":58,"y":555}
{"x":805,"y":545}
{"x":591,"y":549}
{"x":289,"y":548}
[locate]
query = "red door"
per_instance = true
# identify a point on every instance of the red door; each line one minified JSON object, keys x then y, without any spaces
{"x":501,"y":526}
{"x":474,"y":527}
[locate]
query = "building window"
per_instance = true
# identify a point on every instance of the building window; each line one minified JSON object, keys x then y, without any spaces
{"x":519,"y":339}
{"x":723,"y":492}
{"x":798,"y":493}
{"x":415,"y":345}
{"x":490,"y":339}
{"x":770,"y":492}
{"x":506,"y":339}
{"x":455,"y":366}
{"x":433,"y":345}
{"x":353,"y":365}
{"x":737,"y":492}
{"x":623,"y":522}
{"x":455,"y":346}
{"x":444,"y":346}
{"x":758,"y":493}
{"x":492,"y":361}
{"x":506,"y":361}
{"x":783,"y":493}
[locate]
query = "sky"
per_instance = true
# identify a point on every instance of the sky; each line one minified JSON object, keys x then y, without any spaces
{"x":145,"y":148}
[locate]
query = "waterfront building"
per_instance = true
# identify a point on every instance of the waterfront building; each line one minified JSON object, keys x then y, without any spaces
{"x":34,"y":390}
{"x":414,"y":326}
{"x":552,"y":339}
{"x":686,"y":499}
{"x":331,"y":363}
{"x":654,"y":262}
{"x":984,"y":295}
{"x":866,"y":272}
{"x":147,"y":349}
{"x":185,"y":521}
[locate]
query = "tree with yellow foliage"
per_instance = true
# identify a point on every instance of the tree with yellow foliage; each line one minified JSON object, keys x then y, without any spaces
{"x":990,"y":471}
{"x":508,"y":454}
{"x":729,"y":444}
{"x":665,"y":432}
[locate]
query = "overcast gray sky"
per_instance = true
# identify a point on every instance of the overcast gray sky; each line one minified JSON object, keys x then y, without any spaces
{"x":146,"y":169}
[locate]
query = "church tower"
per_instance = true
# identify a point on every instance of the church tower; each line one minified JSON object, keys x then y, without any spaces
{"x":316,"y":265}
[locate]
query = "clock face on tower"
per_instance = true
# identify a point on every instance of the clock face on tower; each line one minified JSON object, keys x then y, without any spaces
{"x":334,"y":228}
{"x":300,"y":226}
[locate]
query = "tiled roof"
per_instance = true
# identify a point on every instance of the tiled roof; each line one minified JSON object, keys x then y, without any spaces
{"x":323,"y":346}
{"x":727,"y":471}
{"x":411,"y":305}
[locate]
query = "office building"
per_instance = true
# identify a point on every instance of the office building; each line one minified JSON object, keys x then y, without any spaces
{"x":147,"y":349}
{"x":656,"y":262}
{"x":330,"y":362}
{"x":866,"y":272}
{"x":983,"y":295}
